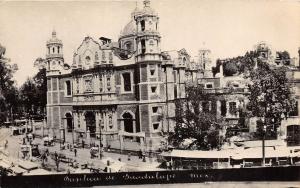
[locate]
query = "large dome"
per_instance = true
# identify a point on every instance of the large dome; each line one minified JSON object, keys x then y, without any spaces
{"x":129,"y":29}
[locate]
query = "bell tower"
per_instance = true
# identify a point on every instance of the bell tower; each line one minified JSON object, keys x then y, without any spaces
{"x":148,"y":37}
{"x":149,"y":67}
{"x":54,"y":55}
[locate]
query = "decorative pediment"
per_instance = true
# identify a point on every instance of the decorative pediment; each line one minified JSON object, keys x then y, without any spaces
{"x":183,"y":52}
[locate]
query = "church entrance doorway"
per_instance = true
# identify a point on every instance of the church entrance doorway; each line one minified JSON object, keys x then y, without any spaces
{"x":90,"y":120}
{"x":69,"y":122}
{"x":128,"y":122}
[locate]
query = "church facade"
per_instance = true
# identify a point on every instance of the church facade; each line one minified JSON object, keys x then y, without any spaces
{"x":122,"y":94}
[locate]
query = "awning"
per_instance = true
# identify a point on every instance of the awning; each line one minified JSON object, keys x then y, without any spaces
{"x":28,"y":165}
{"x":17,"y":170}
{"x":38,"y":171}
{"x":139,"y":134}
{"x":192,"y":154}
{"x":4,"y":164}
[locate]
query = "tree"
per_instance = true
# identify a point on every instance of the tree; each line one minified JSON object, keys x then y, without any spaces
{"x":270,"y":97}
{"x":40,"y":81}
{"x":202,"y":126}
{"x":34,"y":90}
{"x":8,"y":91}
{"x":283,"y":58}
{"x":28,"y":92}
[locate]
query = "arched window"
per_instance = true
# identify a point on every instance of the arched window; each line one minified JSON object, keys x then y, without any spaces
{"x":151,"y":42}
{"x":58,"y":48}
{"x":53,"y":50}
{"x":128,"y":46}
{"x":184,"y":60}
{"x":143,"y":25}
{"x":143,"y":44}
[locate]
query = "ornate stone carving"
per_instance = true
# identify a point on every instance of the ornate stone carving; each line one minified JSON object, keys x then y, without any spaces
{"x":89,"y":98}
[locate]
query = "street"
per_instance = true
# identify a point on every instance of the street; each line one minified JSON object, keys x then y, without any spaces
{"x":82,"y":157}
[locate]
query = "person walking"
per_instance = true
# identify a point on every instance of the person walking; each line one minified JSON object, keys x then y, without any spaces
{"x":55,"y":155}
{"x":75,"y":152}
{"x":83,"y":144}
{"x":6,"y":144}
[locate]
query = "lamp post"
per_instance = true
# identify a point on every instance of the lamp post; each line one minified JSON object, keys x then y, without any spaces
{"x":100,"y":140}
{"x":73,"y":128}
{"x":263,"y":145}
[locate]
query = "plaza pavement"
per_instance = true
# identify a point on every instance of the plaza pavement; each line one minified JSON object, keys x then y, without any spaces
{"x":82,"y":157}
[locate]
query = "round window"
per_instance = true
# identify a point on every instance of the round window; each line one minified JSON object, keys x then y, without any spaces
{"x":87,"y":59}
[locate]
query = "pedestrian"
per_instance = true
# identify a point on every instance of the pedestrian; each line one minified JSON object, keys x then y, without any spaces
{"x":55,"y":156}
{"x":83,"y":144}
{"x":144,"y":156}
{"x":6,"y":144}
{"x":140,"y":154}
{"x":75,"y":152}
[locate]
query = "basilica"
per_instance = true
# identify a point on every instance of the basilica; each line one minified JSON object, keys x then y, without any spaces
{"x":122,"y":94}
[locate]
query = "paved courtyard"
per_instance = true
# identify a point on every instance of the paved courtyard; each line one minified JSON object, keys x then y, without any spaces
{"x":83,"y":155}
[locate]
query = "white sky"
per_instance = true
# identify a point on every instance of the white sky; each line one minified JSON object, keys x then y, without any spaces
{"x":228,"y":27}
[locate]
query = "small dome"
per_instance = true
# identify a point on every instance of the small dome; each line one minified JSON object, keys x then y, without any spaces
{"x":129,"y":29}
{"x":147,"y":10}
{"x":54,"y":39}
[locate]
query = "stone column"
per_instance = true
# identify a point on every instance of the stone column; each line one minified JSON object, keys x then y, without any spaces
{"x":104,"y":140}
{"x":33,"y":129}
{"x":88,"y":137}
{"x":61,"y":132}
{"x":227,"y":108}
{"x":142,"y":143}
{"x":218,"y":108}
{"x":97,"y":121}
{"x":104,"y":120}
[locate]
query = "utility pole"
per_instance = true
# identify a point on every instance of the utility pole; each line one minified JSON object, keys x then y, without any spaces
{"x":263,"y":145}
{"x":100,"y":146}
{"x":73,"y":126}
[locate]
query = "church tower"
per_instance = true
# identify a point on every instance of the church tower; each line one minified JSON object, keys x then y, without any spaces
{"x":55,"y":91}
{"x":150,"y":85}
{"x":54,"y":55}
{"x":205,"y":62}
{"x":148,"y":37}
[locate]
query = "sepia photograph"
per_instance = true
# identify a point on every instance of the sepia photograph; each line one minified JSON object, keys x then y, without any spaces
{"x":135,"y":92}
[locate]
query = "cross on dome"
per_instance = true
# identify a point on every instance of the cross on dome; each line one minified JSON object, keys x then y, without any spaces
{"x":53,"y":33}
{"x":147,"y":3}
